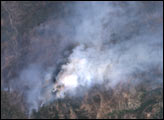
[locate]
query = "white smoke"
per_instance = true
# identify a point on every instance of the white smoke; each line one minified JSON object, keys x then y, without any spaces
{"x":113,"y":40}
{"x":96,"y":60}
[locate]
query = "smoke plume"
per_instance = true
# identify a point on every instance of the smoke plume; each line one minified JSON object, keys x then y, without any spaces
{"x":98,"y":42}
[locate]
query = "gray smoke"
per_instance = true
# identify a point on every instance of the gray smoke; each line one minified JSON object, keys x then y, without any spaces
{"x":113,"y":42}
{"x":98,"y":42}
